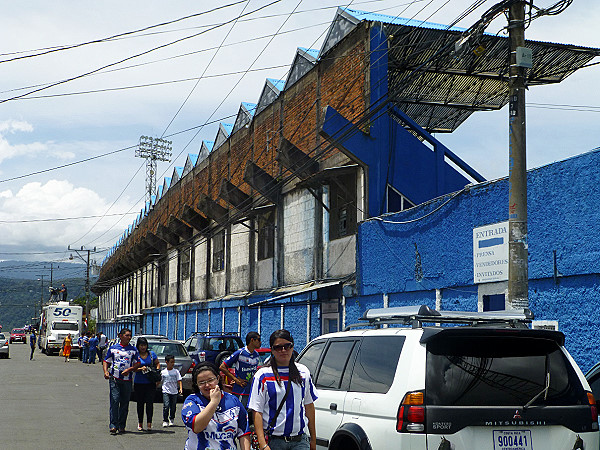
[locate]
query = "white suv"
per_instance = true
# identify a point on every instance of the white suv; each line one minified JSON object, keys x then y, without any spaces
{"x":491,"y":384}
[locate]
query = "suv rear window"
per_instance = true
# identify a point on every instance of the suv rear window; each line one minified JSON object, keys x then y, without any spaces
{"x":376,"y":363}
{"x":500,"y":371}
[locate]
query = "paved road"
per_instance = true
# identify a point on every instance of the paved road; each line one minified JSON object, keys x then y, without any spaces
{"x":49,"y":404}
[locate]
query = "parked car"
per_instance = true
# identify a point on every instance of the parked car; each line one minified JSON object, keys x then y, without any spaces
{"x":494,"y":384}
{"x":213,"y":347}
{"x":4,"y":348}
{"x":18,"y":335}
{"x":163,"y":346}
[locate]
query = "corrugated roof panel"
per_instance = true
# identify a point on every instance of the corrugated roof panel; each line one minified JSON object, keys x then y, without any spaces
{"x":222,"y":134}
{"x":269,"y":94}
{"x":303,"y":62}
{"x":278,"y":84}
{"x":312,"y":52}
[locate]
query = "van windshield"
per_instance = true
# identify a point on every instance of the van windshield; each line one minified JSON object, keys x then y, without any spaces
{"x":65,"y":326}
{"x":499,"y":370}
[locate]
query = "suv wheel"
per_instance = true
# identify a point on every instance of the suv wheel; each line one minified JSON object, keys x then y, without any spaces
{"x":221,"y":357}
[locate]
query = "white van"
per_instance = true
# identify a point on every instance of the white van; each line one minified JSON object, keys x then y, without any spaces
{"x":493,"y":384}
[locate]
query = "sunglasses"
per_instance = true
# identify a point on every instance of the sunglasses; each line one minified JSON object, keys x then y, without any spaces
{"x":280,"y":348}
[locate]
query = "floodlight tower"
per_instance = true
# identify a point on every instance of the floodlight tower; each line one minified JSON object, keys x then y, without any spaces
{"x":153,"y":149}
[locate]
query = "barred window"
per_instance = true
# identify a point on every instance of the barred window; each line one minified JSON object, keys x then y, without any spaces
{"x":184,"y":263}
{"x":342,"y":219}
{"x":266,"y":235}
{"x":218,"y":242}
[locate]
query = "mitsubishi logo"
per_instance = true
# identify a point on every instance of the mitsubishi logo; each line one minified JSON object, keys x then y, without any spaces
{"x":517,"y":415}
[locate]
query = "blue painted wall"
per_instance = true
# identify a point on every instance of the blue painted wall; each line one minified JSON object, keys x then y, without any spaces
{"x":562,"y":216}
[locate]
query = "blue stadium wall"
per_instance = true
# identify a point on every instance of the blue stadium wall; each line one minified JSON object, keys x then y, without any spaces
{"x":431,"y":247}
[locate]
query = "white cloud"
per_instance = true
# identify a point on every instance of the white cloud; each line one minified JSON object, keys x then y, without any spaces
{"x":55,"y":199}
{"x":13,"y":126}
{"x":9,"y":150}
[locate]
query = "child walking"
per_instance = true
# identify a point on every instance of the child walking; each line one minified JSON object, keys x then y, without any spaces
{"x":171,"y":386}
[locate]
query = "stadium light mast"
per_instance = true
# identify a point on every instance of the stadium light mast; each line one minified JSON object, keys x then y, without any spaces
{"x":153,"y":150}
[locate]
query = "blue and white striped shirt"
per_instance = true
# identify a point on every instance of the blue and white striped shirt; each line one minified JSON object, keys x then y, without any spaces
{"x":121,"y":358}
{"x":229,"y":422}
{"x":266,"y":395}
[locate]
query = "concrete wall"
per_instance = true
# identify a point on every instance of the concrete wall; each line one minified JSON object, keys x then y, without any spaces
{"x":299,"y":236}
{"x":173,"y":261}
{"x":240,"y":257}
{"x":200,"y":265}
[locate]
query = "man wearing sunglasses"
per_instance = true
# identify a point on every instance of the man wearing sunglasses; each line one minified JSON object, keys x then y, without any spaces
{"x":244,"y":362}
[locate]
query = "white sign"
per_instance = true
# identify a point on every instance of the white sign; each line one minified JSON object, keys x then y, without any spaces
{"x":490,"y":253}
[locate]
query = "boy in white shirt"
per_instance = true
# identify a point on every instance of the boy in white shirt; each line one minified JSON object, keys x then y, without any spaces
{"x":171,"y":386}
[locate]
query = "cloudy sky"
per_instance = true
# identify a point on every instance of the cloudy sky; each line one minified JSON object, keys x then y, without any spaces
{"x":68,"y":174}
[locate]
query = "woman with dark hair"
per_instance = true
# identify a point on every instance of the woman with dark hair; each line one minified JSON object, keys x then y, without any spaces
{"x":143,"y":387}
{"x":283,"y":381}
{"x":214,"y":418}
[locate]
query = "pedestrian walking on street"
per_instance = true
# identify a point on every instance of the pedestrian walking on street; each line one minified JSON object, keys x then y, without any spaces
{"x":121,"y":360}
{"x":101,"y":345}
{"x":66,"y":347}
{"x":283,"y":381}
{"x":93,"y":348}
{"x":85,"y":342}
{"x":213,"y":418}
{"x":80,"y":345}
{"x":171,"y":386}
{"x":32,"y":341}
{"x":145,"y":388}
{"x":244,"y":363}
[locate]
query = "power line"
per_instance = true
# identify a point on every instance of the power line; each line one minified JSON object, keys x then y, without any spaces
{"x":59,"y":219}
{"x":130,"y":57}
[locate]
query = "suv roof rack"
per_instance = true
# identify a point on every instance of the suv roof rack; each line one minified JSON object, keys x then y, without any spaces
{"x":219,"y":333}
{"x":419,"y":314}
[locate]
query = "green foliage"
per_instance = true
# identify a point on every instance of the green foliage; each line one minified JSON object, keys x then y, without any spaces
{"x":20,"y":299}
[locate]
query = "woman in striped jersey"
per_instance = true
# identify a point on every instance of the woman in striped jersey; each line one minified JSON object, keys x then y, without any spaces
{"x":283,"y":381}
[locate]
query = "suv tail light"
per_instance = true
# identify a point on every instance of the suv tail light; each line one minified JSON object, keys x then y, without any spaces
{"x":593,"y":408}
{"x":411,"y":413}
{"x":191,"y":369}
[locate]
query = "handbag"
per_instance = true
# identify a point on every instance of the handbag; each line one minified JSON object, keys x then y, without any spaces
{"x":153,"y":374}
{"x":254,"y":438}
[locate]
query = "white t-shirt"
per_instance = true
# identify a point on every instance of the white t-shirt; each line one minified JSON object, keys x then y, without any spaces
{"x":169,"y":380}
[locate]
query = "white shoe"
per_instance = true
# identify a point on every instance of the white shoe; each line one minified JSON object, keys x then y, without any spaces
{"x":171,"y":423}
{"x":165,"y":424}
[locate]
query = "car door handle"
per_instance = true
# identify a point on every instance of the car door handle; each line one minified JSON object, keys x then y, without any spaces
{"x":333,"y":406}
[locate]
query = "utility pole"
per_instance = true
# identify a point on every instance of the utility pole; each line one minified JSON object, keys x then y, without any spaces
{"x":41,"y":292}
{"x":520,"y":58}
{"x":153,"y":149}
{"x":87,"y":279}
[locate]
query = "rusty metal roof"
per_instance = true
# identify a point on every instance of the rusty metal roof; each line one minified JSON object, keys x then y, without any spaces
{"x":440,"y":88}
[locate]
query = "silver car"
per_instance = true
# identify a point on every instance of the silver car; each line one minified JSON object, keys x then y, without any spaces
{"x":163,"y":346}
{"x":3,"y":346}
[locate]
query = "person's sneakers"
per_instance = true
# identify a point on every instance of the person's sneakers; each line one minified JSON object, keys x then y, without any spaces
{"x":113,"y":431}
{"x":140,"y":428}
{"x":165,"y":424}
{"x":171,"y":423}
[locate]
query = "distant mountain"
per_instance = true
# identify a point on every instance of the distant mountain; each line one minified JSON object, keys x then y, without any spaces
{"x":32,"y":270}
{"x":20,"y":299}
{"x":21,"y":288}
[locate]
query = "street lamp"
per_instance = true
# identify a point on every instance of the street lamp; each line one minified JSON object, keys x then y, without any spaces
{"x":87,"y":278}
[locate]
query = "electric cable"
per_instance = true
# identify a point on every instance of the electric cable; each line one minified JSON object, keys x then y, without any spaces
{"x":113,"y":37}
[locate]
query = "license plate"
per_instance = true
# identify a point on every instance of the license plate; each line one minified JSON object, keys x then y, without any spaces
{"x":512,"y":440}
